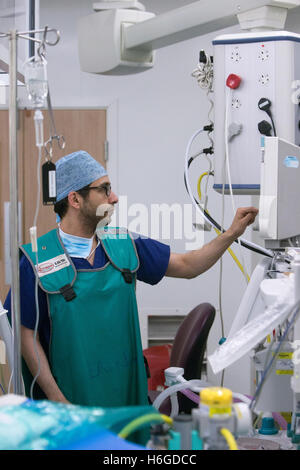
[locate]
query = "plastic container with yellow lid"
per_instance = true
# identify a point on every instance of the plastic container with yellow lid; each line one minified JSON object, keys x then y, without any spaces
{"x":217,"y":399}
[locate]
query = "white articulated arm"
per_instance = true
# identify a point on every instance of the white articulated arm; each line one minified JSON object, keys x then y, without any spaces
{"x":193,"y":20}
{"x":128,"y":36}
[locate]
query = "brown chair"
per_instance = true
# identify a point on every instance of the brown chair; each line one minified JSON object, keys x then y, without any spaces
{"x":187,"y":352}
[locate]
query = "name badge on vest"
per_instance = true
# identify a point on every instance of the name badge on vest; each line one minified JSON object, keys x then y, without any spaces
{"x":52,"y":265}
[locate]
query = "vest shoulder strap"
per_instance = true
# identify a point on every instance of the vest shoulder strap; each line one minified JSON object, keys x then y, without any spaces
{"x":56,"y":272}
{"x":120,"y":249}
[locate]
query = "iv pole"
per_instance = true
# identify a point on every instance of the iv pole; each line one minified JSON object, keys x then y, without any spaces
{"x":13,"y":190}
{"x":14,"y":216}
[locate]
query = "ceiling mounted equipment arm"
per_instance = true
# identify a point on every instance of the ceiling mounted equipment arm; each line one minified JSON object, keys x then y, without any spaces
{"x":195,"y":19}
{"x":127,"y":38}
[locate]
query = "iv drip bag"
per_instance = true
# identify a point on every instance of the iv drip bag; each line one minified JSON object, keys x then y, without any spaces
{"x":35,"y":71}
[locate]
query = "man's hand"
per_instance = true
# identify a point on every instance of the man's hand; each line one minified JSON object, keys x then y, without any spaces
{"x":45,"y":380}
{"x":191,"y":264}
{"x":244,"y":216}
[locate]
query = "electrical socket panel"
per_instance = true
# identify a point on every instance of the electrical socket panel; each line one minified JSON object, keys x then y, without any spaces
{"x":268,"y":64}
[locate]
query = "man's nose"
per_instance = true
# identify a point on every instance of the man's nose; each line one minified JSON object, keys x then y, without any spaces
{"x":113,"y":198}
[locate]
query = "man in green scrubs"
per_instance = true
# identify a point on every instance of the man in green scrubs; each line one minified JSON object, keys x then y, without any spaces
{"x":88,"y":340}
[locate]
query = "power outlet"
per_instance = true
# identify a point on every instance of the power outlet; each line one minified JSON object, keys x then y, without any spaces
{"x":264,"y":79}
{"x":264,"y":54}
{"x":235,"y":55}
{"x":236,"y":103}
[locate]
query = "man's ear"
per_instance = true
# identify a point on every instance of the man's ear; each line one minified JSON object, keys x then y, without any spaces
{"x":73,"y":199}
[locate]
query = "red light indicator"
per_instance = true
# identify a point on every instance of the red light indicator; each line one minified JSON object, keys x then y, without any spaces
{"x":233,"y":81}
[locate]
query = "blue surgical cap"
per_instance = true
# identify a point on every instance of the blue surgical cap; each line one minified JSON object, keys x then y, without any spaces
{"x":75,"y":171}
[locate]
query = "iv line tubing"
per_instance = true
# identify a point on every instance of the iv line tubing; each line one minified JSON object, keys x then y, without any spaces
{"x":36,"y":278}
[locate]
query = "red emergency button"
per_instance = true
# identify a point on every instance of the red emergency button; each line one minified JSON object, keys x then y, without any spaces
{"x":233,"y":81}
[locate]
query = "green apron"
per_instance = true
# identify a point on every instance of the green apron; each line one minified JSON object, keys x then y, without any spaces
{"x":95,"y":352}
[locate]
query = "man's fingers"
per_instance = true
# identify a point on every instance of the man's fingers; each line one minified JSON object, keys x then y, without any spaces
{"x":250,"y":219}
{"x":248,"y":210}
{"x":247,"y":214}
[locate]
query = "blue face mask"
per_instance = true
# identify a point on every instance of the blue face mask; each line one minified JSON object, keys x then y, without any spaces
{"x":77,"y":247}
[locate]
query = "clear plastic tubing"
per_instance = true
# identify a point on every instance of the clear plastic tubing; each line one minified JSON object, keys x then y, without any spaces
{"x":177,"y":388}
{"x":184,"y":387}
{"x":39,"y":130}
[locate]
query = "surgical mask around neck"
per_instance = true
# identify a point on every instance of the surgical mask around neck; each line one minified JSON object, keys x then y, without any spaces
{"x":77,"y":247}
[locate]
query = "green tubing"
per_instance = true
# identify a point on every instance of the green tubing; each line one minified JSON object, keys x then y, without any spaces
{"x":141,"y":421}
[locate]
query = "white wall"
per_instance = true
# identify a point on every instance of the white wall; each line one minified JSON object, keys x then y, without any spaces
{"x":155,"y":113}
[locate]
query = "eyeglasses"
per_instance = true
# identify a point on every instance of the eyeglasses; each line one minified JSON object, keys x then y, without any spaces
{"x":102,"y":187}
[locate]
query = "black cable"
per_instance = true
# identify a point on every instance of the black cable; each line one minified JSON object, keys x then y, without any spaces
{"x":215,"y":224}
{"x":205,"y":151}
{"x":190,"y":161}
{"x":272,"y":121}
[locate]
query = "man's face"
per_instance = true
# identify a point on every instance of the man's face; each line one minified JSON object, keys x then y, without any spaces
{"x":95,"y":198}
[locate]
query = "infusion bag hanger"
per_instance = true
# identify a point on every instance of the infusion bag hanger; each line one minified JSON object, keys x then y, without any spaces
{"x":35,"y":72}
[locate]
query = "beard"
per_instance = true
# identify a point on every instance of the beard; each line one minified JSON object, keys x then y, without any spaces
{"x":90,"y":219}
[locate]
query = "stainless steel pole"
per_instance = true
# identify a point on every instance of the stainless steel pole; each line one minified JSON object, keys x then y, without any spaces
{"x":14,"y":222}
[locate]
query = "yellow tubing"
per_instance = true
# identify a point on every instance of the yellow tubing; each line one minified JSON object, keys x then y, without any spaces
{"x":138,"y":422}
{"x":199,"y":184}
{"x":218,"y":231}
{"x":229,"y":438}
{"x":233,"y":256}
